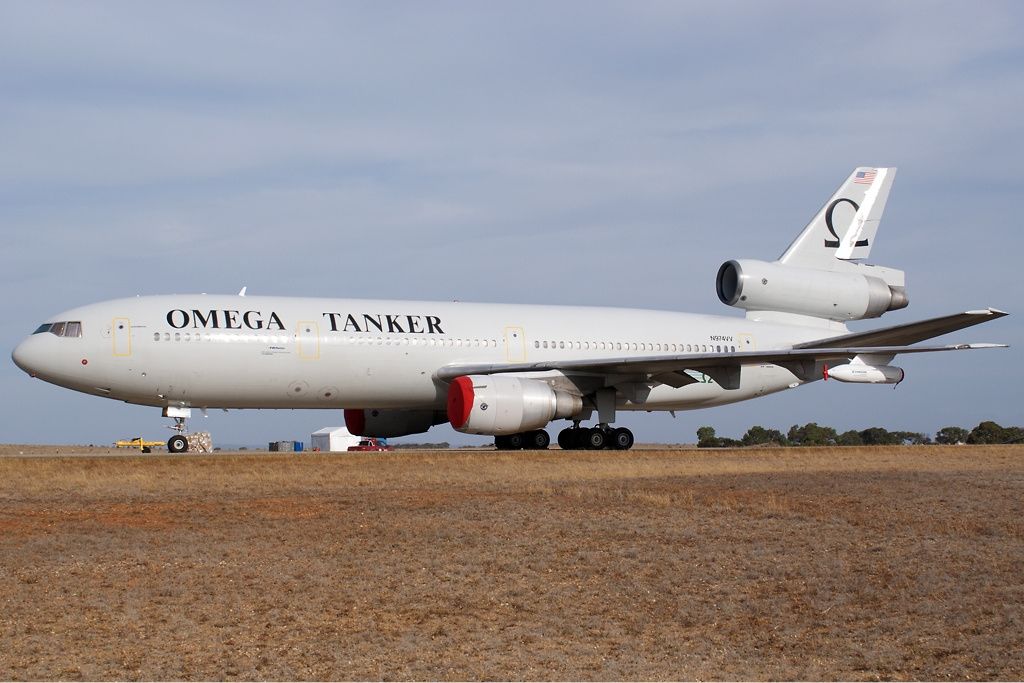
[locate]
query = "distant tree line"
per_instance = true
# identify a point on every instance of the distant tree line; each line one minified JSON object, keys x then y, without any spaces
{"x":813,"y":434}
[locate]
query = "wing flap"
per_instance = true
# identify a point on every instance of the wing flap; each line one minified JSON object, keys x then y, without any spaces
{"x":676,"y":380}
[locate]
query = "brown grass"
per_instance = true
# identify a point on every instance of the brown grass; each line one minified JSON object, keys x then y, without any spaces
{"x":836,"y":563}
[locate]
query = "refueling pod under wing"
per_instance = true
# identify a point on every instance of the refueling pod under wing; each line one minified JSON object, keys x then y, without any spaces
{"x":860,"y":373}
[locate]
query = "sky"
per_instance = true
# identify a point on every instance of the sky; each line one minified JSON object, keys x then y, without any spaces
{"x":582,"y":153}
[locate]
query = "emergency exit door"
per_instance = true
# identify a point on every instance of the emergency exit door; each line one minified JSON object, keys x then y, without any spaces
{"x":307,"y":338}
{"x":121,"y":333}
{"x":515,"y":344}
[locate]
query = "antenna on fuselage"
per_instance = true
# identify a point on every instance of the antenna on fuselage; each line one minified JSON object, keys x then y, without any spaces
{"x":241,"y":292}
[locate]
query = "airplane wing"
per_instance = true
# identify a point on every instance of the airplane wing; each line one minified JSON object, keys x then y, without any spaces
{"x":910,"y":333}
{"x":724,"y":367}
{"x":696,"y":361}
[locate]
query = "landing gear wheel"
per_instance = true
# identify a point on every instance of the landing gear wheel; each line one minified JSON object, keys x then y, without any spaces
{"x":595,"y":439}
{"x":177,"y":444}
{"x":622,"y":439}
{"x":510,"y":442}
{"x":538,"y":440}
{"x":567,"y":439}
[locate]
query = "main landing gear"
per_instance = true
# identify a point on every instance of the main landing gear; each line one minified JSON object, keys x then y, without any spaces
{"x":601,"y":437}
{"x":537,"y":440}
{"x":573,"y":438}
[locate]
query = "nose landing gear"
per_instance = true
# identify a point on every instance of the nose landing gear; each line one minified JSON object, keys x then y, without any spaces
{"x":179,"y":442}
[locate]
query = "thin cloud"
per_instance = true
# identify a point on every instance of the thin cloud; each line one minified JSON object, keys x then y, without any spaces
{"x":620,"y":150}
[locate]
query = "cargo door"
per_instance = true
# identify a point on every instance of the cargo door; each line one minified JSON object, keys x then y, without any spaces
{"x":121,"y":332}
{"x":515,"y":344}
{"x":307,"y":339}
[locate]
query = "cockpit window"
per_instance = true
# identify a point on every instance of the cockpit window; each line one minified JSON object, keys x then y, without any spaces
{"x":62,"y":329}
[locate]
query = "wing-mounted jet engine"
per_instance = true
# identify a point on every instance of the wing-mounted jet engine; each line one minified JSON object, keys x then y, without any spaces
{"x":383,"y":424}
{"x":499,"y":404}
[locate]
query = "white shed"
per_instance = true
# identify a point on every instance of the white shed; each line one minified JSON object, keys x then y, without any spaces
{"x":332,"y":439}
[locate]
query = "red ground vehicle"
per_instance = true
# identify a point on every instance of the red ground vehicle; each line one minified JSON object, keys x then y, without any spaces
{"x":371,"y":444}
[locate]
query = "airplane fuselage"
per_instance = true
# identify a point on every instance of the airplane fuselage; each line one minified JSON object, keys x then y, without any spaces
{"x":214,"y":351}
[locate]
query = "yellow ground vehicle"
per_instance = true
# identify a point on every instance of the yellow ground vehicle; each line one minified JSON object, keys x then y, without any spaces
{"x":140,"y":443}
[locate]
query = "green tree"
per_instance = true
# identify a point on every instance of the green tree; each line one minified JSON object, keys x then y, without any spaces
{"x":951,"y":435}
{"x":850,"y":438}
{"x":990,"y":432}
{"x":706,"y":437}
{"x":878,"y":436}
{"x":758,"y":435}
{"x":987,"y":432}
{"x":812,"y":435}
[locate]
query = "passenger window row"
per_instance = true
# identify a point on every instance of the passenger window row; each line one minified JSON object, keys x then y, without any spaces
{"x":448,"y":342}
{"x":635,"y":346}
{"x":419,"y":341}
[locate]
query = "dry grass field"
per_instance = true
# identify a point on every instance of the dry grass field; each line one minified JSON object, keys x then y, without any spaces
{"x":843,"y":563}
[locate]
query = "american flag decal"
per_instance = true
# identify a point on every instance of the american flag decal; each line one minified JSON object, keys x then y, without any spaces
{"x":864,"y":177}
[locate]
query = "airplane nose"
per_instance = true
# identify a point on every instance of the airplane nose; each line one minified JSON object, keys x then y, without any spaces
{"x":25,"y":356}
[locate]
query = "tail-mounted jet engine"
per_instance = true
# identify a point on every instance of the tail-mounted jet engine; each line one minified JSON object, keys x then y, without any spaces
{"x":388,"y":423}
{"x":499,"y":404}
{"x":852,"y":292}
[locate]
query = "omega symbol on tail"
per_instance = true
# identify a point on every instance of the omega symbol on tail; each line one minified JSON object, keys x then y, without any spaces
{"x":834,"y":244}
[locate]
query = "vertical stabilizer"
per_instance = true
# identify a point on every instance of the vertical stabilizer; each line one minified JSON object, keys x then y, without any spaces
{"x":846,"y":226}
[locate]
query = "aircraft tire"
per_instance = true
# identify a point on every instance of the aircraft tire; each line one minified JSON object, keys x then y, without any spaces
{"x":516,"y":441}
{"x":572,"y":438}
{"x":538,"y":440}
{"x":622,"y":439}
{"x":177,"y":444}
{"x":595,"y":439}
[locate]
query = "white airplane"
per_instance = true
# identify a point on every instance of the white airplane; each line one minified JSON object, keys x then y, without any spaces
{"x":400,"y":367}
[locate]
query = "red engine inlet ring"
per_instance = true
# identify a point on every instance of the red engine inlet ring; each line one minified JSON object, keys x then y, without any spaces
{"x":460,"y":401}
